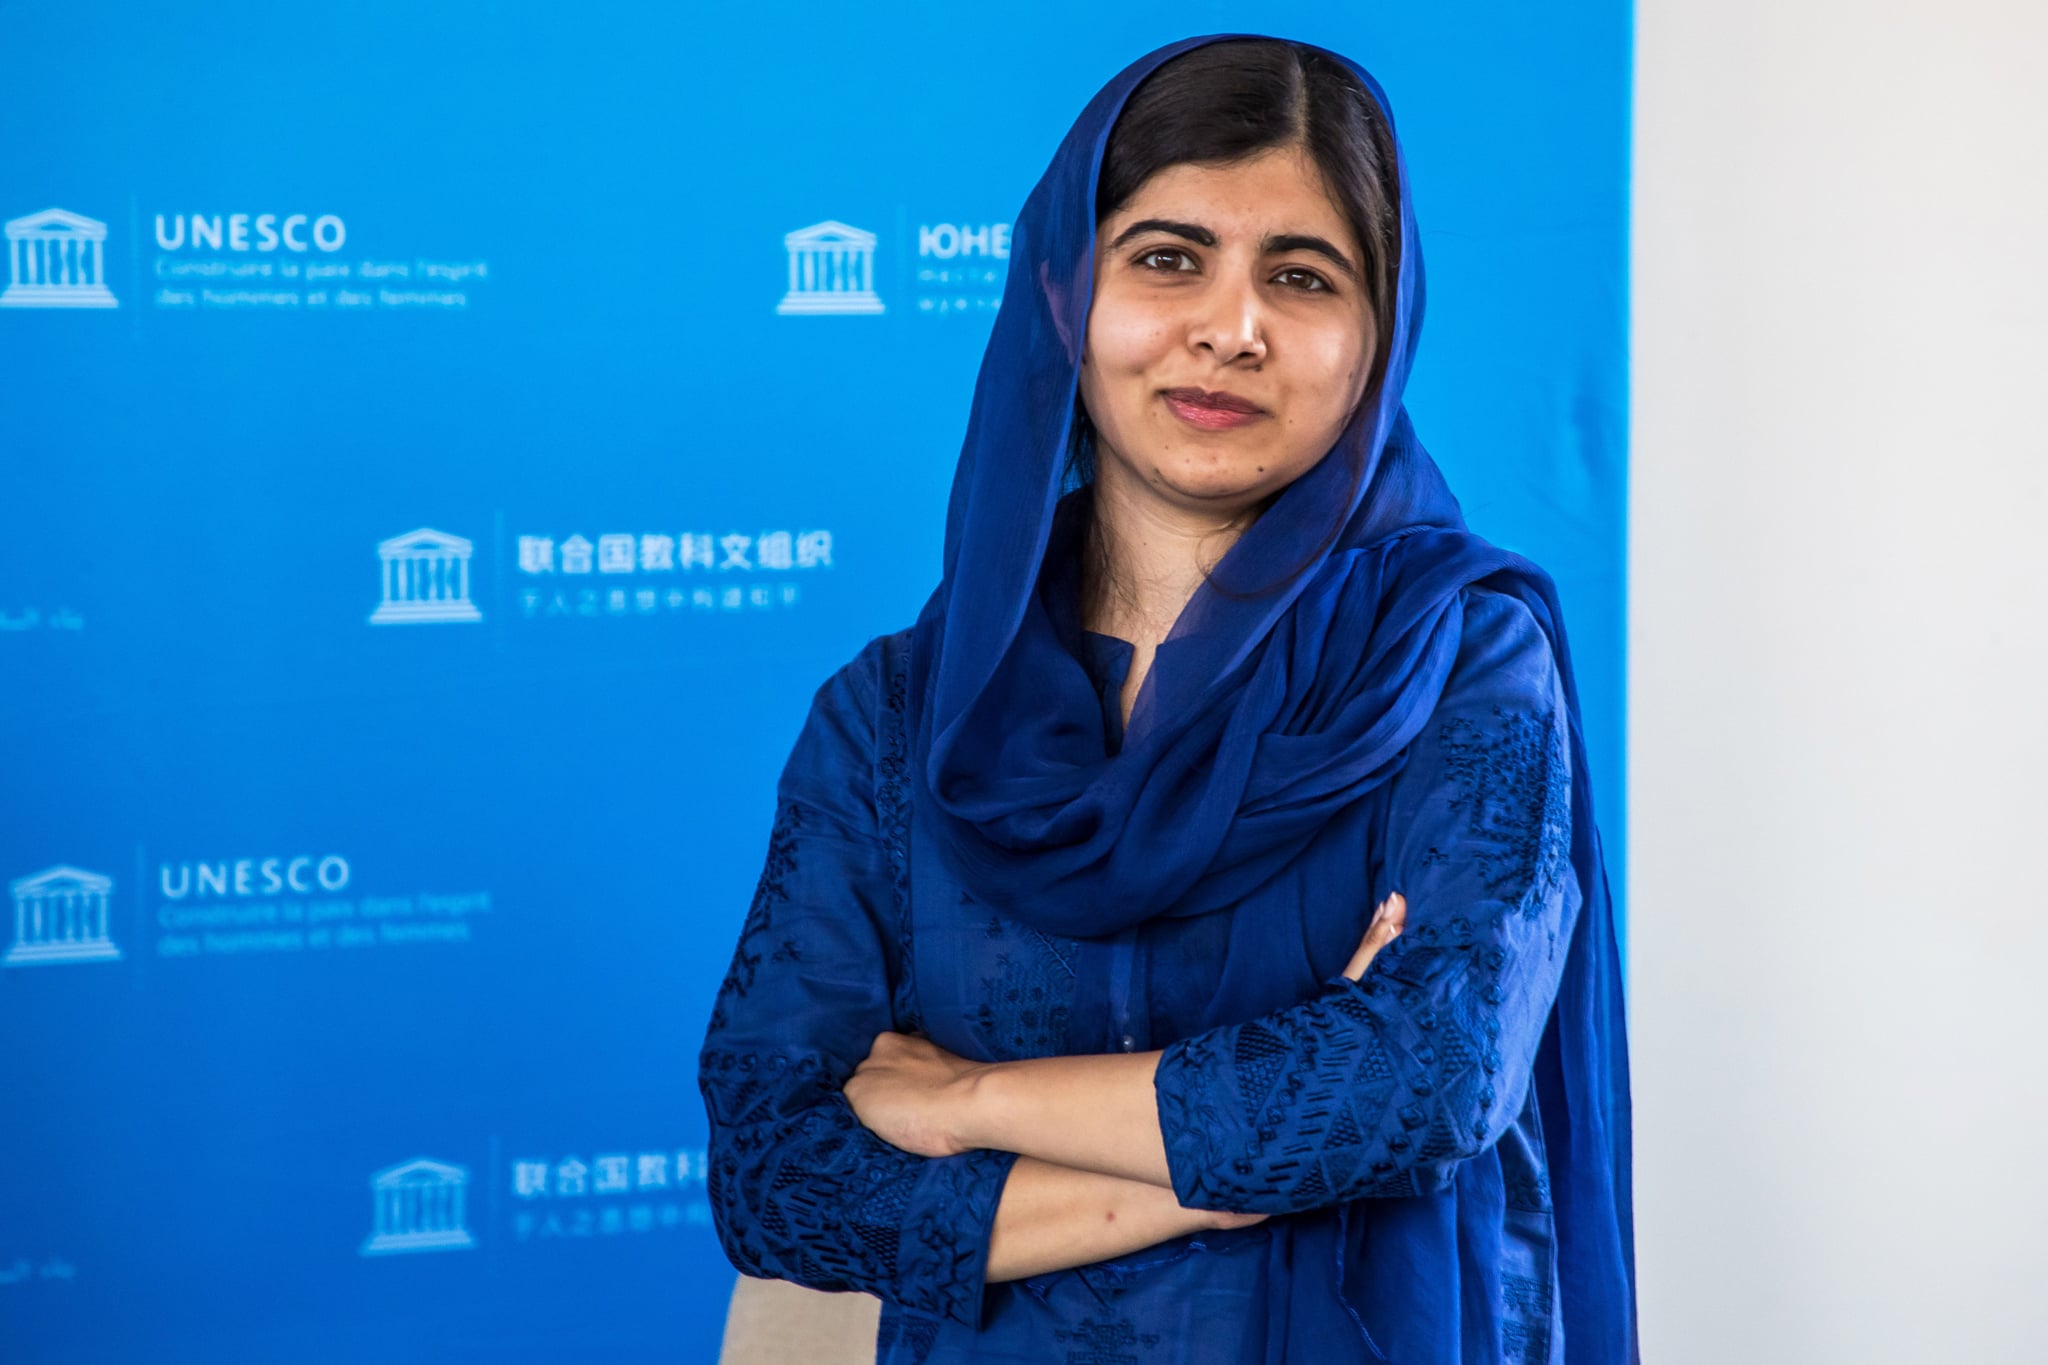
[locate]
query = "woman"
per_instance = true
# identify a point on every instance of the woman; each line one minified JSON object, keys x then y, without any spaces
{"x":1063,"y":1021}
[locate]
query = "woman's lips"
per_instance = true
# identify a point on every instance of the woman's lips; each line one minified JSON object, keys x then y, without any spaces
{"x":1212,"y":411}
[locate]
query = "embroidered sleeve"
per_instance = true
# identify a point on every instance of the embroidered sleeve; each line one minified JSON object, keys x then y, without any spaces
{"x":799,"y":1189}
{"x":1379,"y":1087}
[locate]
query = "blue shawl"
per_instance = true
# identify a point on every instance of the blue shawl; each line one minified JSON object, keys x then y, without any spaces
{"x":1273,"y":703}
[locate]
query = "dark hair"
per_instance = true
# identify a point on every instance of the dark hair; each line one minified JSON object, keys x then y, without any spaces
{"x":1230,"y":100}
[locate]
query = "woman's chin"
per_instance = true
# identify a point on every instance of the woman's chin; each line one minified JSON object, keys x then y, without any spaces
{"x":1212,"y":486}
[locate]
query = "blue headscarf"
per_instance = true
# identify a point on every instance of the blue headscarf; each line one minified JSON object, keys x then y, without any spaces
{"x":1264,"y":712}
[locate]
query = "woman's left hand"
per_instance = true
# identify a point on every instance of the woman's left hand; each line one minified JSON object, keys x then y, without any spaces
{"x":913,"y":1094}
{"x":1386,"y":926}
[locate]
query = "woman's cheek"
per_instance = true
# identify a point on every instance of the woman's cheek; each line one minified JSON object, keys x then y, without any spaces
{"x":1126,"y":338}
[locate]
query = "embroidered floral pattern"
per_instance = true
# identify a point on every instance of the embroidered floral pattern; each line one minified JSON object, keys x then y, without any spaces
{"x":770,"y":892}
{"x":1027,"y":1001}
{"x":1525,"y":1322}
{"x":1111,"y":1341}
{"x":801,"y":1191}
{"x":904,"y":1335}
{"x":1515,"y":797}
{"x":892,"y":814}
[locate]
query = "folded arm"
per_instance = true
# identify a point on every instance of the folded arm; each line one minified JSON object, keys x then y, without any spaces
{"x":1389,"y":1079}
{"x":1085,"y":1114}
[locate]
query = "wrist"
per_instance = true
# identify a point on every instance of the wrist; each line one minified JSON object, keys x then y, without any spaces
{"x":973,"y":1095}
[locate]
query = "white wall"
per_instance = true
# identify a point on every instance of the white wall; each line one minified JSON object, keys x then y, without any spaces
{"x":1839,"y":681}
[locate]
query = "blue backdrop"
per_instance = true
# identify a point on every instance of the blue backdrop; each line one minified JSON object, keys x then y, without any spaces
{"x":442,"y":447}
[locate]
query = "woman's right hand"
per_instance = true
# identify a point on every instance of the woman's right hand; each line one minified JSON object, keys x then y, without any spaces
{"x":1384,"y":929}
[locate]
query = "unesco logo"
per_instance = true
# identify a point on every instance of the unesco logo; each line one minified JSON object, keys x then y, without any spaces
{"x":418,"y":1205}
{"x":57,"y":259}
{"x":831,"y":270}
{"x":293,"y":232}
{"x":425,"y":576}
{"x":61,"y":914}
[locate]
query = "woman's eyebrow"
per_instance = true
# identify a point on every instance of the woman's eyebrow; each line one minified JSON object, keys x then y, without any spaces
{"x":1303,"y":241}
{"x":1195,"y":233}
{"x":1272,"y":245}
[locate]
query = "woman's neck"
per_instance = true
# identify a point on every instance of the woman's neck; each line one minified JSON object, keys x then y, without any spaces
{"x":1149,"y":557}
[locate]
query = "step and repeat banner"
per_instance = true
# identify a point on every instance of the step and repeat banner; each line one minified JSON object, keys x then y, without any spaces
{"x":442,"y":448}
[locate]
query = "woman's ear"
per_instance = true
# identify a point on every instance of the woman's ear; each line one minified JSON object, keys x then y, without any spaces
{"x":1058,"y":295}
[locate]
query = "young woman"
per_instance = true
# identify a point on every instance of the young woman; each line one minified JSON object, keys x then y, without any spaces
{"x":1189,"y":940}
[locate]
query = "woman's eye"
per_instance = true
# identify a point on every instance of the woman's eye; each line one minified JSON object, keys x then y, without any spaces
{"x":1296,"y":277}
{"x":1165,"y":258}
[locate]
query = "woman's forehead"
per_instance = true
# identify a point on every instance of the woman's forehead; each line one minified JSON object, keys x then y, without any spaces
{"x":1274,"y":193}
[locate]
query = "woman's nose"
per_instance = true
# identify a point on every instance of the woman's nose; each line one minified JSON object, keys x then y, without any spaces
{"x":1229,"y":323}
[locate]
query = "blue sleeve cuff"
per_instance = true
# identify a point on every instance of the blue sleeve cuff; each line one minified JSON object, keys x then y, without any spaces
{"x":1199,"y":1135}
{"x":942,"y":1259}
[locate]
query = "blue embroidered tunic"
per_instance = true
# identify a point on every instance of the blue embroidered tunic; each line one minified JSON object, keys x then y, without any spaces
{"x":1390,"y":1125}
